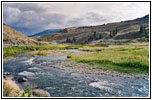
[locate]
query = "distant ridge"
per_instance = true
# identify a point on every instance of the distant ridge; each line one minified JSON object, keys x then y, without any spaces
{"x":46,"y":32}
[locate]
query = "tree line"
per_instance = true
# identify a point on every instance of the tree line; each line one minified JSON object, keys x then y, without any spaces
{"x":69,"y":40}
{"x":144,"y":31}
{"x":94,"y":37}
{"x":113,"y":32}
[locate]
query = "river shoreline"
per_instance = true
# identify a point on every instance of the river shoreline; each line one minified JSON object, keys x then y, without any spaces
{"x":86,"y":69}
{"x":83,"y":68}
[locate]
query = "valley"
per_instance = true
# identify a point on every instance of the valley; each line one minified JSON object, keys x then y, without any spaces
{"x":91,"y":61}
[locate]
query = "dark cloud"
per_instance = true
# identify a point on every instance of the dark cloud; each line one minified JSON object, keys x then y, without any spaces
{"x":30,"y":18}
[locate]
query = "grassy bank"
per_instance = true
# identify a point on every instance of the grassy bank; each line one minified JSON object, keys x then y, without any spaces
{"x":11,"y":51}
{"x":128,"y":58}
{"x":122,"y":59}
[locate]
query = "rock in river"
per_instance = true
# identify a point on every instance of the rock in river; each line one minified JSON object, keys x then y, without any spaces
{"x":22,"y":79}
{"x":40,"y":92}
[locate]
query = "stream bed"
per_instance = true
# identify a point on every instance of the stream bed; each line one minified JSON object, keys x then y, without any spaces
{"x":60,"y":83}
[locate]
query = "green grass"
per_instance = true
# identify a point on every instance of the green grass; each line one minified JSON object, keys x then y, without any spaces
{"x":11,"y":51}
{"x":129,"y":60}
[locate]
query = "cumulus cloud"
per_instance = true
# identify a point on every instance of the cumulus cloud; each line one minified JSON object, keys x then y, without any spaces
{"x":30,"y":18}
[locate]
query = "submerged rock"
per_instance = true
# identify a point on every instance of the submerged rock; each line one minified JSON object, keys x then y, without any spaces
{"x":6,"y":74}
{"x":22,"y":79}
{"x":40,"y":92}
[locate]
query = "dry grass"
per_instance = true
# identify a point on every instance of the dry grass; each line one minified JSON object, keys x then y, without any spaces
{"x":10,"y":36}
{"x":10,"y":88}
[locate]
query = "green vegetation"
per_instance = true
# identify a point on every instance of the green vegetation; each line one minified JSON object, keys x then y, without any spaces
{"x":144,"y":31}
{"x":100,"y":36}
{"x":68,"y":40}
{"x":94,"y":34}
{"x":11,"y":51}
{"x":26,"y":93}
{"x":90,"y":38}
{"x":123,"y":58}
{"x":94,"y":37}
{"x":129,"y":60}
{"x":73,"y":40}
{"x":113,"y":32}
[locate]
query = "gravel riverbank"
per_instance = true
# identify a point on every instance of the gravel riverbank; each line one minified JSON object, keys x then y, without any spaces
{"x":84,"y":68}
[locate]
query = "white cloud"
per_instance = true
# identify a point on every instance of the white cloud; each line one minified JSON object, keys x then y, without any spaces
{"x":40,"y":16}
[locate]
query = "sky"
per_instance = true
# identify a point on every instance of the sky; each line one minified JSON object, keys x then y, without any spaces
{"x":30,"y":18}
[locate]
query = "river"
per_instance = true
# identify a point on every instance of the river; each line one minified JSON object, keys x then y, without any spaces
{"x":60,"y":83}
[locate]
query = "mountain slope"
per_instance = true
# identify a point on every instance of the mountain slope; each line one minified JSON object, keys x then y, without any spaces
{"x":126,"y":30}
{"x":46,"y":32}
{"x":12,"y":37}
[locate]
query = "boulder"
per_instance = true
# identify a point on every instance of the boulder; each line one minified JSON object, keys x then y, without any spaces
{"x":4,"y":76}
{"x":40,"y":92}
{"x":22,"y":79}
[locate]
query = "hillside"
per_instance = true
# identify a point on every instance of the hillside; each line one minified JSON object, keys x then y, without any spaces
{"x":12,"y":37}
{"x":126,"y":31}
{"x":46,"y":32}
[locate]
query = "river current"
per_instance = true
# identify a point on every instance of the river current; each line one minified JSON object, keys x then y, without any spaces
{"x":60,"y":83}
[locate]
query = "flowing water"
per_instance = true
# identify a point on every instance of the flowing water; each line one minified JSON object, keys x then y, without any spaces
{"x":60,"y":83}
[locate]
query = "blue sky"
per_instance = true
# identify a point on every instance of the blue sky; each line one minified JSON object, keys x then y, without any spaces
{"x":30,"y":18}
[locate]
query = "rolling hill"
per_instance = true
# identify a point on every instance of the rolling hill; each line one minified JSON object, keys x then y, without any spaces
{"x":125,"y":31}
{"x":12,"y":37}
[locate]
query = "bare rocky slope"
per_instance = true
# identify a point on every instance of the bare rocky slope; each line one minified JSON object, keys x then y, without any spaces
{"x":12,"y":37}
{"x":126,"y":31}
